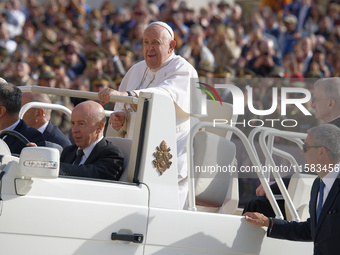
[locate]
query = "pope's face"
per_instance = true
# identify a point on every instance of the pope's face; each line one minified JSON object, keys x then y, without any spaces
{"x":157,"y":46}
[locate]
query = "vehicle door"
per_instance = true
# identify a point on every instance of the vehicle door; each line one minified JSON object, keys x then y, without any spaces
{"x":71,"y":216}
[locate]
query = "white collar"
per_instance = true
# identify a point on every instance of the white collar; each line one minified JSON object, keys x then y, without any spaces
{"x":166,"y":62}
{"x":43,"y":127}
{"x":330,"y":177}
{"x":334,"y":119}
{"x":87,"y":151}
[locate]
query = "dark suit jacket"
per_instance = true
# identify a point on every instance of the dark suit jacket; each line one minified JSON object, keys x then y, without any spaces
{"x":30,"y":133}
{"x":53,"y":134}
{"x":336,"y":122}
{"x":106,"y":161}
{"x":325,"y":234}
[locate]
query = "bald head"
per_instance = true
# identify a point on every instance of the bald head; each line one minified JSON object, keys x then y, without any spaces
{"x":87,"y":121}
{"x":36,"y":117}
{"x":28,"y":97}
{"x":92,"y":110}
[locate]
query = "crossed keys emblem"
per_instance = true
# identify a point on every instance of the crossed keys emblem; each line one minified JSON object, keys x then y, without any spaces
{"x":162,"y":155}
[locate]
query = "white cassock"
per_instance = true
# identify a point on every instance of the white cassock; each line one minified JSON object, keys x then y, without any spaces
{"x":173,"y":79}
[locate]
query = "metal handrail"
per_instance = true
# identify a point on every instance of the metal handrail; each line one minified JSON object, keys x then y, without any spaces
{"x":292,"y":136}
{"x":77,"y":93}
{"x":252,"y":155}
{"x":285,"y":155}
{"x":251,"y":138}
{"x":56,"y":107}
{"x":270,"y":144}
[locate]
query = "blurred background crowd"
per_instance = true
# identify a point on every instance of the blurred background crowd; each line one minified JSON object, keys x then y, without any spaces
{"x":69,"y":44}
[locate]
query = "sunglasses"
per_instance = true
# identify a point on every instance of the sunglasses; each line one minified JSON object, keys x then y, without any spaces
{"x":305,"y":147}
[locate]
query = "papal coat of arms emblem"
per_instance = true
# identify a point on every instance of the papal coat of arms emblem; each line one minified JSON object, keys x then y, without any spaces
{"x":162,"y":155}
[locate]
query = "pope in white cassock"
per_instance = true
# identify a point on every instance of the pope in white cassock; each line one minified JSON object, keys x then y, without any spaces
{"x":165,"y":73}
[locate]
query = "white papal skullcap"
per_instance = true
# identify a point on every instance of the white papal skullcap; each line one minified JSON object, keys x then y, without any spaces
{"x":2,"y":80}
{"x":166,"y":26}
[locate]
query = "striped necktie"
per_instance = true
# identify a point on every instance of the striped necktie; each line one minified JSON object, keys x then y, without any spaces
{"x":80,"y":154}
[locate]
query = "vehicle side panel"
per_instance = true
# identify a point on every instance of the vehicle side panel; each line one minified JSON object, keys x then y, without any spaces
{"x":188,"y":233}
{"x":73,"y":216}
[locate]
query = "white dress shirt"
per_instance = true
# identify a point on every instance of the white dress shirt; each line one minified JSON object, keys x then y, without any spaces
{"x":87,"y":151}
{"x":329,"y":180}
{"x":43,"y":128}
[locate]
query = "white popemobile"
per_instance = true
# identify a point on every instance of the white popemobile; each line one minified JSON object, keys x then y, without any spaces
{"x":42,"y":213}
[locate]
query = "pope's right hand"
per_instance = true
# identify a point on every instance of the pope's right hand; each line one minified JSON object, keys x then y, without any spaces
{"x":117,"y":120}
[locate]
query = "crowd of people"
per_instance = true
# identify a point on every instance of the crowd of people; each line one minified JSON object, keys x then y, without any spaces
{"x":62,"y":40}
{"x":69,"y":44}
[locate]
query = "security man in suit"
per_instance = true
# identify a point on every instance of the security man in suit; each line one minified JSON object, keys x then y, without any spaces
{"x":10,"y":105}
{"x":39,"y":118}
{"x":326,"y":102}
{"x":322,"y":154}
{"x":91,"y":156}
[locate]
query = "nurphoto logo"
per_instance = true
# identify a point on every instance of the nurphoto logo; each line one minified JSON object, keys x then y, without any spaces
{"x":209,"y":93}
{"x":260,"y":102}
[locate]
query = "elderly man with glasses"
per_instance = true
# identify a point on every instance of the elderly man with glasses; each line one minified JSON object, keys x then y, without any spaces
{"x":322,"y":154}
{"x":326,"y":102}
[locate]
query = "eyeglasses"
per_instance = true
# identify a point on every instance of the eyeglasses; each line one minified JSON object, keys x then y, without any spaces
{"x":305,"y":147}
